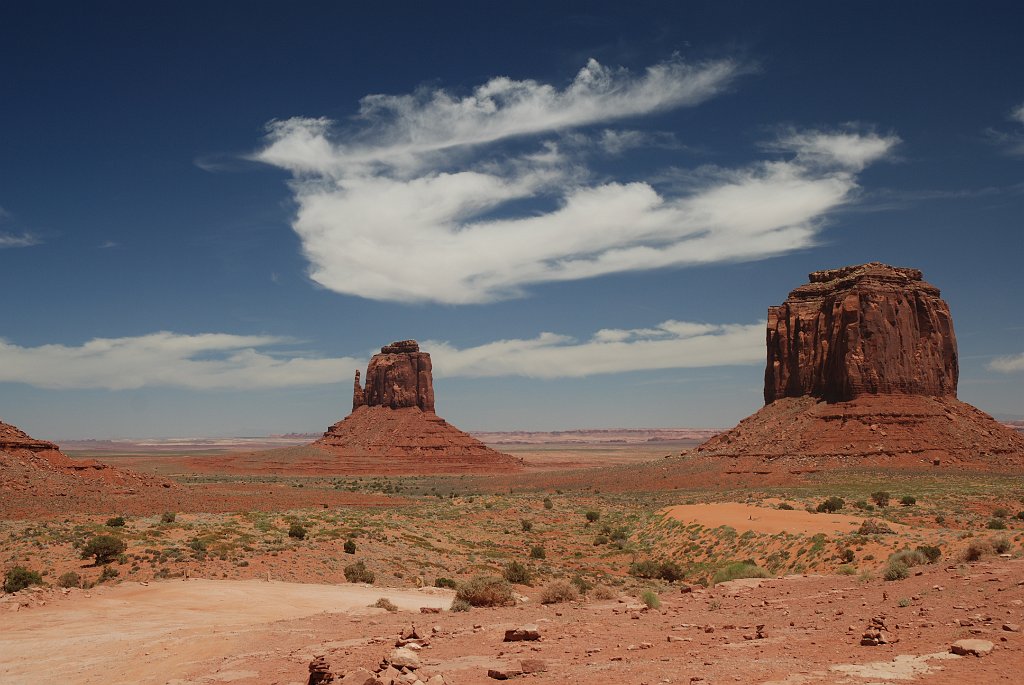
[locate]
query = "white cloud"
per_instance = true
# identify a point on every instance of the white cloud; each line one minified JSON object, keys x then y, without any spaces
{"x":213,"y":361}
{"x":22,"y":240}
{"x":201,"y":362}
{"x":1017,"y":113}
{"x":1008,"y":364}
{"x":669,"y":345}
{"x":1011,"y":141}
{"x":422,"y":203}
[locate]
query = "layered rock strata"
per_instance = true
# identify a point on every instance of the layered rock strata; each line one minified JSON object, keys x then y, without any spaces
{"x":393,"y":427}
{"x":862,"y":371}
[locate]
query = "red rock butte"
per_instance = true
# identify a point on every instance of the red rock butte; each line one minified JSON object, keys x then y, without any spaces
{"x":862,"y":371}
{"x":393,"y":427}
{"x":37,"y":469}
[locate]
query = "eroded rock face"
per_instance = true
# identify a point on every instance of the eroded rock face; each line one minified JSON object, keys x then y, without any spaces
{"x":400,"y":376}
{"x":870,"y":329}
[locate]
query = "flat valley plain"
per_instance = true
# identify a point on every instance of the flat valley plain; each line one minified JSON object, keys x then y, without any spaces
{"x":681,"y":573}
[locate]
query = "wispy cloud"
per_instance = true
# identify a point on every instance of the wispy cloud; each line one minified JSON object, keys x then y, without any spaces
{"x":420,"y":202}
{"x":1009,"y":364}
{"x":18,"y":240}
{"x":669,"y":345}
{"x":202,"y":362}
{"x":1012,"y":139}
{"x":215,"y":361}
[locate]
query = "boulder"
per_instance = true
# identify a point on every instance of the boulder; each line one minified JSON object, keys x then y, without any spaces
{"x":971,"y":647}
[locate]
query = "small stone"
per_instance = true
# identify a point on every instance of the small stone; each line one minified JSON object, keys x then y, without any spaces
{"x":503,"y":673}
{"x":359,"y":676}
{"x":524,"y":633}
{"x":1011,"y":627}
{"x":533,"y":665}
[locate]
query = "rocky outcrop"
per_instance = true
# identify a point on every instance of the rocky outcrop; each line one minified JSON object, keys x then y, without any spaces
{"x":393,"y":427}
{"x":862,"y":371}
{"x":867,"y":329}
{"x":400,"y":376}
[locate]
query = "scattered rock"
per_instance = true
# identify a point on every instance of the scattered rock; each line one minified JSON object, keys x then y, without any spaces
{"x":877,"y":633}
{"x":533,"y":665}
{"x":524,"y":633}
{"x":504,"y":672}
{"x":403,"y":657}
{"x":971,"y":647}
{"x":320,"y":671}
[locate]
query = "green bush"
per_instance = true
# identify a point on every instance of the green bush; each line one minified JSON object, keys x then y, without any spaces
{"x":517,"y":572}
{"x":548,"y":504}
{"x":1000,"y":513}
{"x":847,"y":555}
{"x":460,"y":605}
{"x":168,"y":517}
{"x":648,"y":568}
{"x":910,"y":557}
{"x":358,"y":573}
{"x":1019,"y":516}
{"x":105,"y":548}
{"x":445,"y":582}
{"x":559,"y":591}
{"x":527,"y":525}
{"x":592,"y":516}
{"x":930,"y":552}
{"x":297,"y":531}
{"x":908,"y":500}
{"x":115,"y":522}
{"x":486,"y":591}
{"x":1000,"y":544}
{"x":350,"y":546}
{"x":70,"y":579}
{"x":109,"y":573}
{"x":976,"y":549}
{"x":582,"y":584}
{"x":846,"y":570}
{"x":650,"y":598}
{"x":737,"y":570}
{"x":863,"y":505}
{"x":996,"y":524}
{"x":670,"y":571}
{"x":831,"y":505}
{"x":786,"y":506}
{"x":896,"y":570}
{"x":881,"y":498}
{"x":19,"y":578}
{"x":537,"y":552}
{"x":600,"y":540}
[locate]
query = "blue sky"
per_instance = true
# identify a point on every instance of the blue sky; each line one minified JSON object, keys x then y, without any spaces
{"x":211,"y":214}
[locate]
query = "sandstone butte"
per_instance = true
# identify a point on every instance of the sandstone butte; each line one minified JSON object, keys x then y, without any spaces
{"x":862,"y":371}
{"x":393,"y":427}
{"x":37,"y":468}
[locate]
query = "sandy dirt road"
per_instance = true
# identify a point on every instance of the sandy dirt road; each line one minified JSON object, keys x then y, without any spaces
{"x":744,"y":517}
{"x":164,"y":631}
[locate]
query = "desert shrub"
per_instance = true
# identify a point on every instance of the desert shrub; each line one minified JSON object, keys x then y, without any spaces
{"x":650,"y":598}
{"x":904,"y":602}
{"x":548,"y":504}
{"x":537,"y":552}
{"x":1000,"y":513}
{"x":670,"y":571}
{"x":582,"y":585}
{"x":831,"y":505}
{"x":896,"y":570}
{"x":168,"y":517}
{"x":70,"y":579}
{"x":559,"y":591}
{"x":910,"y":557}
{"x":527,"y":525}
{"x":1000,"y":544}
{"x":350,"y":546}
{"x":601,"y":591}
{"x":115,"y":522}
{"x":648,"y":568}
{"x":19,"y":578}
{"x":592,"y":516}
{"x":908,"y":500}
{"x":976,"y":549}
{"x":486,"y":591}
{"x":881,"y":498}
{"x":108,"y":573}
{"x":846,"y":570}
{"x":445,"y":582}
{"x":297,"y":531}
{"x":1019,"y":516}
{"x":930,"y":552}
{"x":785,"y":506}
{"x":358,"y":573}
{"x":386,"y":604}
{"x":873,"y":527}
{"x":737,"y":570}
{"x":863,"y":505}
{"x":105,"y":548}
{"x":847,"y":555}
{"x":600,"y":540}
{"x":460,"y":605}
{"x":517,"y":572}
{"x":996,"y":524}
{"x":940,"y":519}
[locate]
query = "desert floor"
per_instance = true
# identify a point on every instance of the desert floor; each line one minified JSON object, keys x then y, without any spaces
{"x":223,"y":592}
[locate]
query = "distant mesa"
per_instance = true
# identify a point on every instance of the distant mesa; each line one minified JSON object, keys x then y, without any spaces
{"x":862,"y":369}
{"x":393,"y":427}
